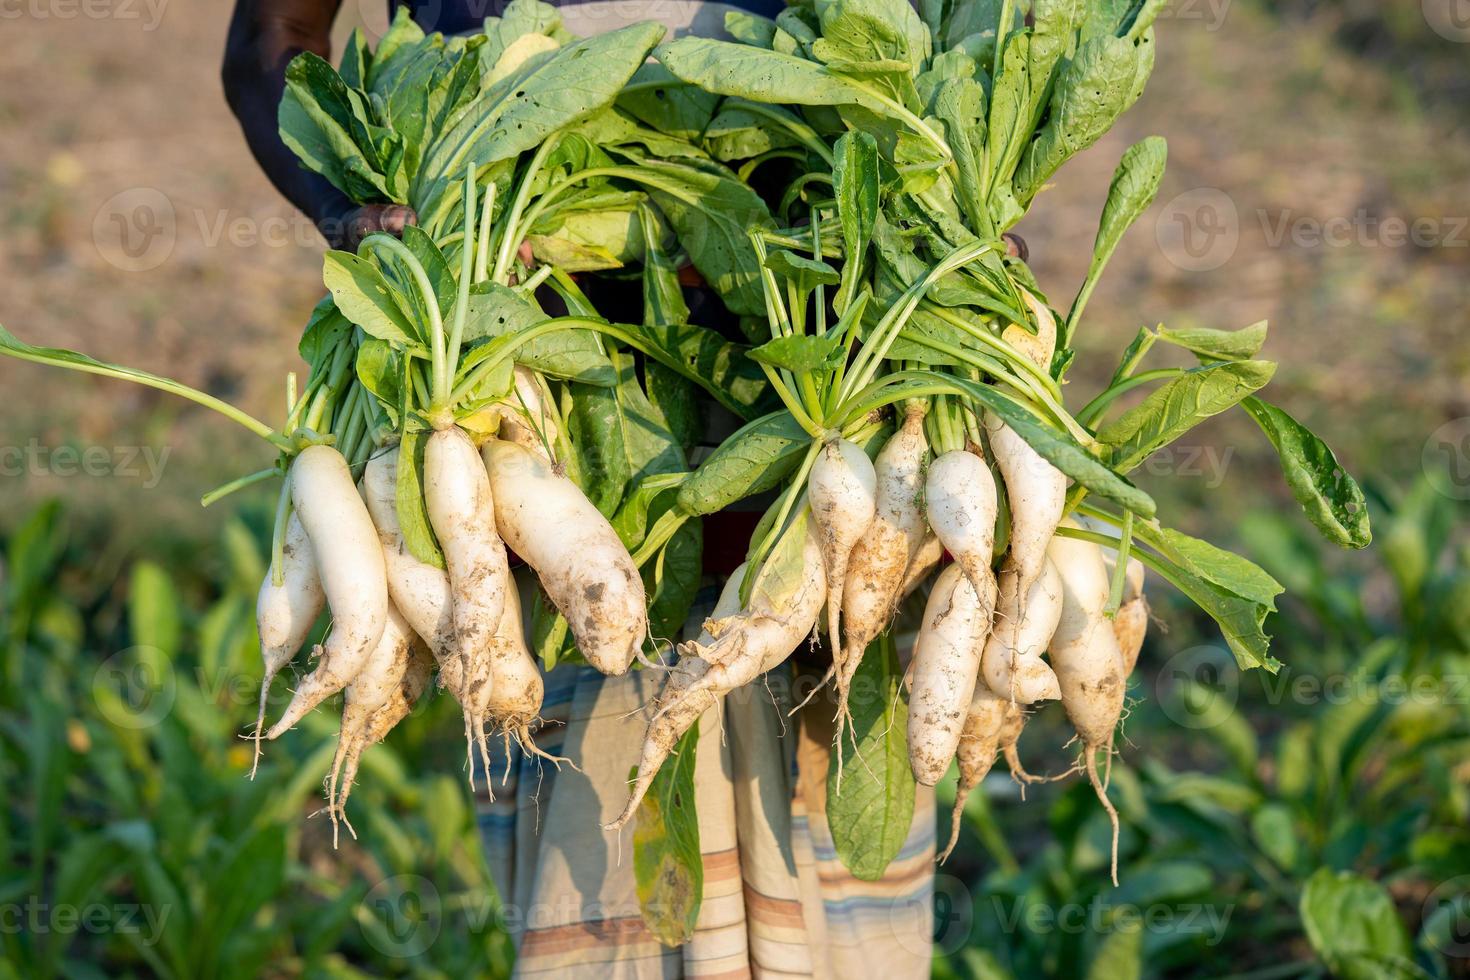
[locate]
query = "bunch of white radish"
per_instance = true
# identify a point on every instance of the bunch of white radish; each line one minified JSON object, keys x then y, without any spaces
{"x":740,"y":641}
{"x":487,"y":483}
{"x":988,"y":649}
{"x":878,"y":518}
{"x":910,"y":428}
{"x":348,"y":551}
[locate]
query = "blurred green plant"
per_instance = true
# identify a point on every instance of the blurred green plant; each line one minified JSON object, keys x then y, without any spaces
{"x":134,"y":843}
{"x":1310,"y":824}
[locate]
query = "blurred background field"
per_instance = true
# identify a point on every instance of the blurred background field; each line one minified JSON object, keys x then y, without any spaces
{"x":1319,"y":177}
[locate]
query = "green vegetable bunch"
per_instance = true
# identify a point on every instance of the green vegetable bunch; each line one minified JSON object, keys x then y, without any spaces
{"x":840,"y":178}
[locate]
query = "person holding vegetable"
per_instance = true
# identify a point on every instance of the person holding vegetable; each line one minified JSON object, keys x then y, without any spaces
{"x":775,"y":898}
{"x":265,"y":35}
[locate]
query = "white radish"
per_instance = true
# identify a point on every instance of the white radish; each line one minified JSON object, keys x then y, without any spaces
{"x":373,"y":687}
{"x":978,"y":747}
{"x":349,"y":559}
{"x":876,"y":568}
{"x":734,"y":649}
{"x":1130,"y":625}
{"x":525,"y":420}
{"x":925,"y":560}
{"x":1012,"y":663}
{"x":418,"y":589}
{"x":842,"y":492}
{"x":577,"y":555}
{"x":960,"y":501}
{"x":1041,"y":345}
{"x":518,"y":688}
{"x":1035,"y":490}
{"x":422,"y":594}
{"x":1088,"y":663}
{"x":1130,"y":622}
{"x":401,"y":687}
{"x":1010,"y":737}
{"x":1084,"y":648}
{"x":1037,"y":494}
{"x":676,"y":710}
{"x":943,"y":672}
{"x":285,"y":613}
{"x":461,"y":510}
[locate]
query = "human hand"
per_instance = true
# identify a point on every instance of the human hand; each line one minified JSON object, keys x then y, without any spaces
{"x":348,"y":230}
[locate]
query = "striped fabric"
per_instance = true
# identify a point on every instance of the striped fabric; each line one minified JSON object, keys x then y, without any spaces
{"x":777,"y":900}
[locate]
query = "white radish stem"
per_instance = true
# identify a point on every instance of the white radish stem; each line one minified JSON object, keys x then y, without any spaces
{"x":876,"y":568}
{"x":372,"y":688}
{"x":842,"y":491}
{"x":1084,"y":652}
{"x":734,"y":649}
{"x":944,"y":668}
{"x":285,"y":613}
{"x":349,"y":559}
{"x":422,"y":593}
{"x":1012,"y":664}
{"x":980,"y":743}
{"x":960,"y":500}
{"x":577,"y":555}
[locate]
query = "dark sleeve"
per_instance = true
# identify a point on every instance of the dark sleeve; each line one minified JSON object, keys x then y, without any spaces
{"x":264,"y":36}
